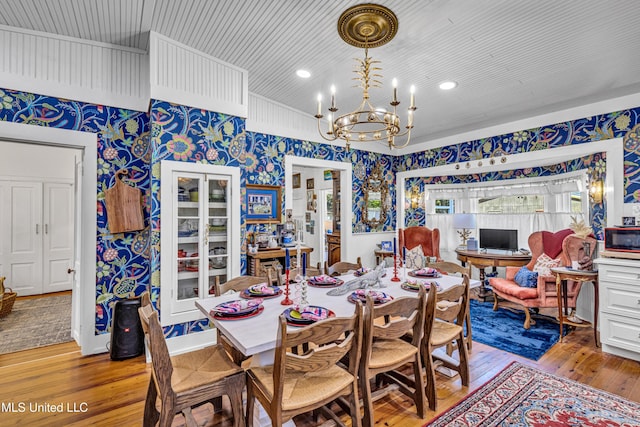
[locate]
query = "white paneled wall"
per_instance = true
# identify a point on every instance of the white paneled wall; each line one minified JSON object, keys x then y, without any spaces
{"x":74,"y":69}
{"x":270,"y":117}
{"x":184,"y":75}
{"x":104,"y":74}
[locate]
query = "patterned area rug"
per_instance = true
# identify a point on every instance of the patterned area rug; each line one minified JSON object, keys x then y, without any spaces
{"x":35,"y":323}
{"x":503,"y":329}
{"x":523,"y":396}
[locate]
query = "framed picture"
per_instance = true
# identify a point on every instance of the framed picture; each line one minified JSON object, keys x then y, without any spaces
{"x":386,"y":246}
{"x":310,"y":184}
{"x":629,"y":220}
{"x":264,"y":204}
{"x":311,"y":206}
{"x":327,"y":175}
{"x":307,"y":216}
{"x":296,"y":180}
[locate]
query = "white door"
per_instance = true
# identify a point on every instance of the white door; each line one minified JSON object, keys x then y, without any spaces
{"x":58,"y":237}
{"x":25,"y":236}
{"x":37,"y":230}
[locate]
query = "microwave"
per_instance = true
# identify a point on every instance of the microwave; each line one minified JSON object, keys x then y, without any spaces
{"x":622,"y":239}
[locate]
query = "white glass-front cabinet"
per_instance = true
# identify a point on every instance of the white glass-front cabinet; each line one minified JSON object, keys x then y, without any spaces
{"x":200,"y":235}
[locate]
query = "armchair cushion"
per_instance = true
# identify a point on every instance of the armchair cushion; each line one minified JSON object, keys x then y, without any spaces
{"x":508,"y":287}
{"x":552,"y":242}
{"x":545,"y":263}
{"x":415,"y":258}
{"x":526,"y":278}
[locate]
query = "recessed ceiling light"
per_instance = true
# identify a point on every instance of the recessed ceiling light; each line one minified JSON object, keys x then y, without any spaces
{"x":448,"y":85}
{"x":303,"y":74}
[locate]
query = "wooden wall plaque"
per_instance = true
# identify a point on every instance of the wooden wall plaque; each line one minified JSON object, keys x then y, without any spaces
{"x":124,"y":206}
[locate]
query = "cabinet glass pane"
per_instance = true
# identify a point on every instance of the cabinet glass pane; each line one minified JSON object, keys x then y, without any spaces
{"x":188,"y":222}
{"x":217,"y":221}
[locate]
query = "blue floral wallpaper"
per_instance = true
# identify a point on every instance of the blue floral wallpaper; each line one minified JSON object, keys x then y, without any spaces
{"x":193,"y":135}
{"x":594,"y":162}
{"x":128,"y":263}
{"x":122,"y":260}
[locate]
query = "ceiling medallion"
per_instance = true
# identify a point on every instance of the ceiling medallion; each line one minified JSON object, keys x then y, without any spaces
{"x":367,"y":26}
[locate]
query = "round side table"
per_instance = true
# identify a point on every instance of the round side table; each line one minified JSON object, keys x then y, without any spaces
{"x":562,"y":275}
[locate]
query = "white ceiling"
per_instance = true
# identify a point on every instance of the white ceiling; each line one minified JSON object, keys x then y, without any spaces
{"x":513,"y":59}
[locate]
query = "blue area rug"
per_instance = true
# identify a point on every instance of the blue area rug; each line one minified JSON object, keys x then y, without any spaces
{"x":503,"y":329}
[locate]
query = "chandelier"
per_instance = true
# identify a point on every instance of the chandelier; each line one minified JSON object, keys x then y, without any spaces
{"x":367,"y":26}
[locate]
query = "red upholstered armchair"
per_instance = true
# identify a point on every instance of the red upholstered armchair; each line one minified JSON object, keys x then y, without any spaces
{"x":563,"y":246}
{"x":420,"y":236}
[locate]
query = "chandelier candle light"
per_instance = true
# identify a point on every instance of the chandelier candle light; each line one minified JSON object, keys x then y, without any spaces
{"x":367,"y":26}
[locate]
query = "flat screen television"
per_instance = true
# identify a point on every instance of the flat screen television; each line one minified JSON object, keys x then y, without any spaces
{"x":493,"y":238}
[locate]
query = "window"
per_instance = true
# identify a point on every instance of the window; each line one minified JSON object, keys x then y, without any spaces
{"x":576,"y":202}
{"x":512,"y":204}
{"x":445,"y":206}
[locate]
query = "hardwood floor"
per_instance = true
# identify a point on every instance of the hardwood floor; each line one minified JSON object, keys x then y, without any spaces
{"x":107,"y":393}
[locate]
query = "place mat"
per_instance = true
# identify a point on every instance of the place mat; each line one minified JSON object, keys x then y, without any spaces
{"x":308,"y":316}
{"x":236,"y":307}
{"x":324,"y":281}
{"x":255,"y":312}
{"x":261,"y":291}
{"x":361,"y":295}
{"x":415,"y":287}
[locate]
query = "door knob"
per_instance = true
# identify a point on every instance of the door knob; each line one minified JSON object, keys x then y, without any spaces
{"x":70,"y":270}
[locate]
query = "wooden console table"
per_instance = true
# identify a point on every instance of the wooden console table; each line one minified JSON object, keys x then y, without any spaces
{"x":255,"y":262}
{"x":381,"y":255}
{"x":562,"y":275}
{"x":481,"y":260}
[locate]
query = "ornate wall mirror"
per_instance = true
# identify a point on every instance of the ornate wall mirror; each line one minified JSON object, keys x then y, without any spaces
{"x":374,"y":210}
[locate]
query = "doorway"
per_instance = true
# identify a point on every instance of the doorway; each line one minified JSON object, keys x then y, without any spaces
{"x":37,"y":225}
{"x":85,"y":177}
{"x":291,"y":162}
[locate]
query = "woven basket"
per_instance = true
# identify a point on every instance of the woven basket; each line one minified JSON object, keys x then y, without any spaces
{"x":8,"y":297}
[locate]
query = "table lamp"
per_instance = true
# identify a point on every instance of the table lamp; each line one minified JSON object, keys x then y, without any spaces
{"x":464,"y":222}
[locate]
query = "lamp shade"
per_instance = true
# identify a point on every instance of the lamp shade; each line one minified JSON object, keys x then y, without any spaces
{"x":464,"y":220}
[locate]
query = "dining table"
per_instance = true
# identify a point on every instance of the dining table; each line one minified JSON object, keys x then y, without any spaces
{"x":256,"y":335}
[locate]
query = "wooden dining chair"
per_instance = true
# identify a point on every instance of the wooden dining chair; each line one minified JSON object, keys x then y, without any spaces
{"x":240,"y":283}
{"x":299,"y":383}
{"x":384,"y":351}
{"x":342,"y":267}
{"x":444,"y":332}
{"x":181,"y":382}
{"x":447,"y":267}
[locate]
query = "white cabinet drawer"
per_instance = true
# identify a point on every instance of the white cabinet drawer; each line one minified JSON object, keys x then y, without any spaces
{"x":620,"y":299}
{"x":621,"y":332}
{"x":620,"y":274}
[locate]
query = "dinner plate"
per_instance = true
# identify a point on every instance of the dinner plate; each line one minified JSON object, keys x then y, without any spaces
{"x":419,"y":273}
{"x":325,"y":281}
{"x":259,"y":291}
{"x":237,"y":307}
{"x":255,"y":312}
{"x":307,"y":316}
{"x":361,"y":294}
